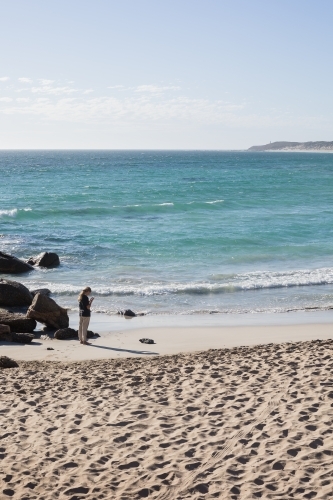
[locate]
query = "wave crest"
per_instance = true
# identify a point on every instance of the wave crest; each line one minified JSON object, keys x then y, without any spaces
{"x":8,"y":213}
{"x":224,"y":284}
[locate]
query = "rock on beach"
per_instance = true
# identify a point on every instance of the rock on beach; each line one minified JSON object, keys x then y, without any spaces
{"x":46,"y":311}
{"x":70,"y":333}
{"x":14,"y":294}
{"x":43,"y":291}
{"x":45,"y":259}
{"x":12,"y":265}
{"x":21,"y":338}
{"x":6,"y":362}
{"x":17,"y":322}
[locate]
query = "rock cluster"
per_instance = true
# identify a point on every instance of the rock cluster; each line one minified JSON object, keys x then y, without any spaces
{"x":12,"y":265}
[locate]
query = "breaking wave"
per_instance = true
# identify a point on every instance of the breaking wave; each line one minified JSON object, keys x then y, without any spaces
{"x":227,"y":284}
{"x":13,"y":212}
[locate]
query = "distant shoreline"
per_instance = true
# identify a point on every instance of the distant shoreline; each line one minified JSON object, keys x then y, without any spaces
{"x":292,"y":151}
{"x":289,"y":147}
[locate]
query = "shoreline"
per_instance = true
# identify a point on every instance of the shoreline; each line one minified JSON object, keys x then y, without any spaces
{"x":173,"y":335}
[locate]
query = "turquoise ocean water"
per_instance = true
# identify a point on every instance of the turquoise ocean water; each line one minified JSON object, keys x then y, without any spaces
{"x":174,"y":232}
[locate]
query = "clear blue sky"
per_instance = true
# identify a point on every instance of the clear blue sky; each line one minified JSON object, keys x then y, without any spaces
{"x":184,"y":74}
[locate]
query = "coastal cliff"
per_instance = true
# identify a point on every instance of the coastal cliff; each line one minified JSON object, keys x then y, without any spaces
{"x":295,"y":146}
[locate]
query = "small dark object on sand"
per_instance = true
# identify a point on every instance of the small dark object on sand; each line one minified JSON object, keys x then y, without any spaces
{"x":49,"y":349}
{"x":146,"y":341}
{"x":6,"y":362}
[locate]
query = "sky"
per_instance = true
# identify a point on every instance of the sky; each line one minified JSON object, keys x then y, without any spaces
{"x":164,"y":74}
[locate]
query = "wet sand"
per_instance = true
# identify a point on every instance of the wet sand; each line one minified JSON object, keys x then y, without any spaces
{"x":172,"y":335}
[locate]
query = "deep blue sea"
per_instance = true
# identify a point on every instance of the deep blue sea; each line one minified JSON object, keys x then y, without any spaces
{"x":174,"y":232}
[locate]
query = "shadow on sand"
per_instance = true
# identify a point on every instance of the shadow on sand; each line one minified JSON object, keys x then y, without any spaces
{"x":150,"y":353}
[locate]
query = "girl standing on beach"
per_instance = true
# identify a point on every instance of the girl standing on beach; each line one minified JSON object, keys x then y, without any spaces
{"x":84,"y":305}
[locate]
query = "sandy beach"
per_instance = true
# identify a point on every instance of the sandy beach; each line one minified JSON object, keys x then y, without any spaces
{"x":184,"y":418}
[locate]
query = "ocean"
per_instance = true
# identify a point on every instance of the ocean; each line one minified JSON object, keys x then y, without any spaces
{"x":174,"y":232}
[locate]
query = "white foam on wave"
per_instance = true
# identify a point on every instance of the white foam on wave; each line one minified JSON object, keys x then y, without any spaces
{"x":232,"y":283}
{"x":8,"y":213}
{"x":13,"y":212}
{"x":206,"y":202}
{"x":125,"y":206}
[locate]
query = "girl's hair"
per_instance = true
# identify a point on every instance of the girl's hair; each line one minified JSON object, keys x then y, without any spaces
{"x":84,"y":291}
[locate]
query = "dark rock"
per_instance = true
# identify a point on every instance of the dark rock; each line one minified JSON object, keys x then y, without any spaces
{"x":45,"y":259}
{"x":21,"y":338}
{"x":17,"y":322}
{"x":11,"y":265}
{"x":14,"y":294}
{"x":5,"y":335}
{"x":49,"y":349}
{"x":47,"y":311}
{"x":4,"y":329}
{"x":65,"y":333}
{"x":91,"y":334}
{"x":70,"y":333}
{"x":43,"y":291}
{"x":146,"y":341}
{"x":6,"y":362}
{"x":128,"y":313}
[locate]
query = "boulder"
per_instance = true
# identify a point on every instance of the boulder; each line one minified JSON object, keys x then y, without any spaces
{"x":45,"y":259}
{"x":65,"y":333}
{"x":70,"y":333}
{"x":6,"y":362}
{"x":46,"y":311}
{"x":91,"y":334}
{"x":22,"y":338}
{"x":13,"y":293}
{"x":17,"y":322}
{"x":43,"y":291}
{"x":11,"y":265}
{"x":128,"y":313}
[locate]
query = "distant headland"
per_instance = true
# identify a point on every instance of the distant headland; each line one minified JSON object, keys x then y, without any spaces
{"x":295,"y":146}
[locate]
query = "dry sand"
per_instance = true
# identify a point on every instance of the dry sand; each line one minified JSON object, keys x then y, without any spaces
{"x":239,"y":423}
